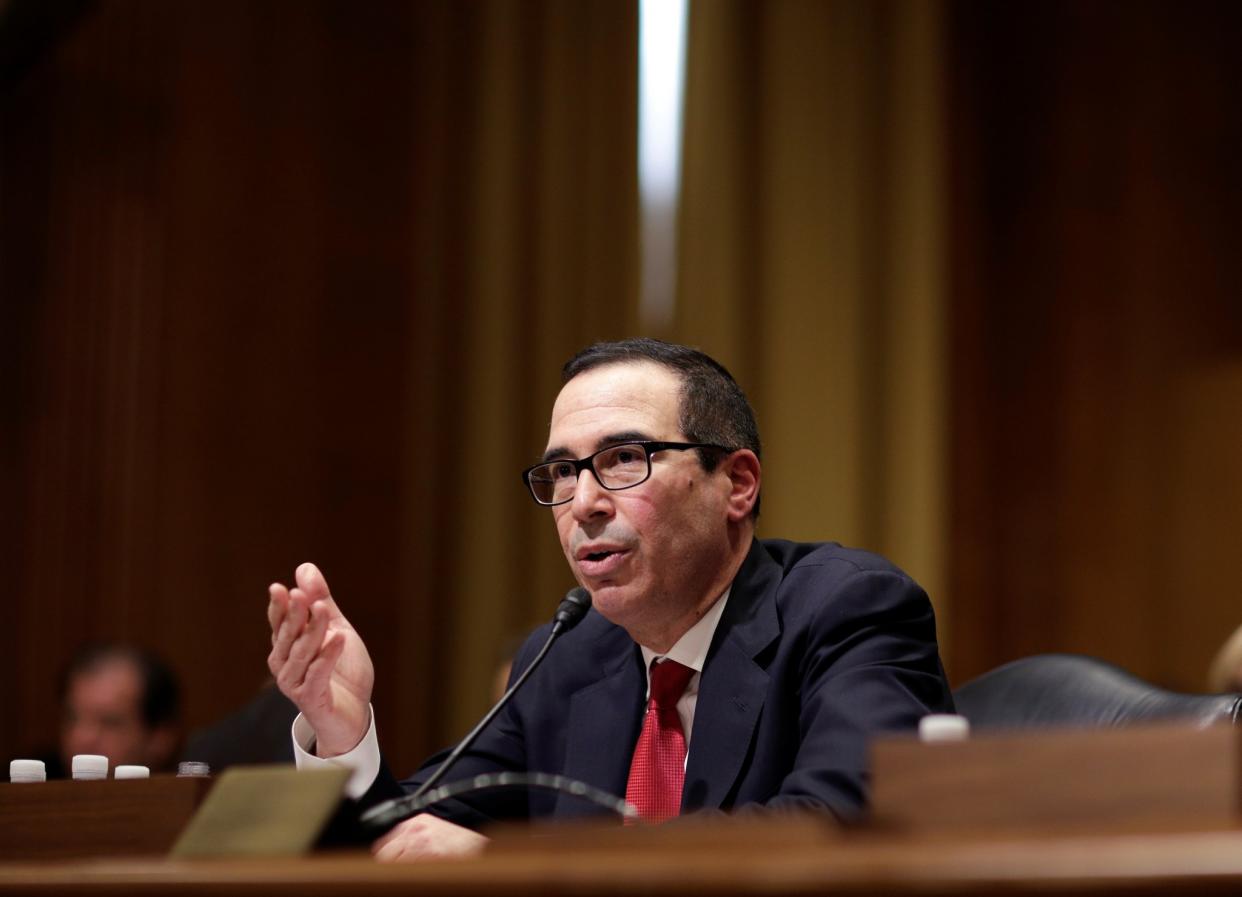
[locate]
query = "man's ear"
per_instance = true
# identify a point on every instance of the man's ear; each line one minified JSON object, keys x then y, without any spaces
{"x":742,"y":469}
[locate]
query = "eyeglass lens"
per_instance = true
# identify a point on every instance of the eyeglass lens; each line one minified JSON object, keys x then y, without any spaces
{"x":616,"y":467}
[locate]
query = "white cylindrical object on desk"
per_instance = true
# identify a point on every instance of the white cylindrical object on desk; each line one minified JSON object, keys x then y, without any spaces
{"x":27,"y":771}
{"x":944,"y":727}
{"x":131,"y":772}
{"x":87,"y":767}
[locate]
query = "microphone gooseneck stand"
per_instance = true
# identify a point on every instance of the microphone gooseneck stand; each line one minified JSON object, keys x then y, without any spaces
{"x":503,"y":781}
{"x":383,"y":817}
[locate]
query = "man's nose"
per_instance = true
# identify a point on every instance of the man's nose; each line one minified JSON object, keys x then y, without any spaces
{"x":591,"y":500}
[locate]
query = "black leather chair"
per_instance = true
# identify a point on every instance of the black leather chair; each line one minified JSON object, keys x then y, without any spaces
{"x":1074,"y":690}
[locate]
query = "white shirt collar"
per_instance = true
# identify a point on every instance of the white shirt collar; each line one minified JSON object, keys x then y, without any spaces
{"x":691,"y":649}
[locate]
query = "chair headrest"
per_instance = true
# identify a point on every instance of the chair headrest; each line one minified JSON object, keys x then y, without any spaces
{"x":1072,"y":689}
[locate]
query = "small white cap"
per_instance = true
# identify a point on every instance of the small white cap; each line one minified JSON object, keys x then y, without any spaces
{"x":944,"y":727}
{"x":27,"y":771}
{"x":131,"y":772}
{"x":90,"y":766}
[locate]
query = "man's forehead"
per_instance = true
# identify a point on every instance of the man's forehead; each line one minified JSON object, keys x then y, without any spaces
{"x":621,"y":396}
{"x":114,"y":676}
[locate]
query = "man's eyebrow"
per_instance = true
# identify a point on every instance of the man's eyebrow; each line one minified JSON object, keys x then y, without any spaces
{"x":560,"y":452}
{"x":622,"y":438}
{"x":554,"y":454}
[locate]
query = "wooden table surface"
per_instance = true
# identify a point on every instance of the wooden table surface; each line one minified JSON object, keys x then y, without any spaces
{"x":733,"y":861}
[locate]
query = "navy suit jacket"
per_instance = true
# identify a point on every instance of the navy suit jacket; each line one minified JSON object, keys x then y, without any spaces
{"x":820,"y":648}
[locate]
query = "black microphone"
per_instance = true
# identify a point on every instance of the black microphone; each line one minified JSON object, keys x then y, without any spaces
{"x":569,"y":612}
{"x":383,"y":817}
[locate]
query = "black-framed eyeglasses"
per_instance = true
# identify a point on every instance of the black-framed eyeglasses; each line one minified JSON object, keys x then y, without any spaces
{"x":616,"y":467}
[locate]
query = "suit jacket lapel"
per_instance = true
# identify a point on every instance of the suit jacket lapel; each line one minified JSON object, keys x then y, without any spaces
{"x":604,"y":720}
{"x":733,"y":686}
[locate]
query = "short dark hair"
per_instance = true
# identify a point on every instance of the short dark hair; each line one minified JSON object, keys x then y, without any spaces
{"x":711,"y":407}
{"x":161,"y":694}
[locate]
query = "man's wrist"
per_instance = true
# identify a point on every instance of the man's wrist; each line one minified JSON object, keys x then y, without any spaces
{"x":327,"y":749}
{"x":363,"y":758}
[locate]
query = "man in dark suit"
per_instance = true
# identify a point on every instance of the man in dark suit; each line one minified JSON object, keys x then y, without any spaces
{"x":786,"y":658}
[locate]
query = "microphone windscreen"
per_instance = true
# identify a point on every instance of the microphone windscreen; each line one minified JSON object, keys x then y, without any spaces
{"x":572,"y":609}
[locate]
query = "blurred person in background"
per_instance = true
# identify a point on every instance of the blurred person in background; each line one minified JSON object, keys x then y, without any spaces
{"x":120,"y":701}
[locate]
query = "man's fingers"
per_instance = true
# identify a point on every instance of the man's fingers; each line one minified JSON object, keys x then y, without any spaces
{"x":311,"y":627}
{"x":282,"y":663}
{"x":319,"y":670}
{"x":279,"y":613}
{"x":294,"y":622}
{"x":387,"y":849}
{"x":277,"y":606}
{"x":304,"y":649}
{"x":392,"y":846}
{"x":311,"y":581}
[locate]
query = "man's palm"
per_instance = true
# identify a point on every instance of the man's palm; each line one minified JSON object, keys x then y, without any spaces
{"x":320,"y":662}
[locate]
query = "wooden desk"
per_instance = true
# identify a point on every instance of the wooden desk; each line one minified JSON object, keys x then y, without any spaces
{"x":69,"y":820}
{"x":1006,"y":815}
{"x":1200,"y":863}
{"x":1155,"y":777}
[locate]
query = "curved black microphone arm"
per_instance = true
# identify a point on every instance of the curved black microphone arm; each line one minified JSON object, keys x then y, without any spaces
{"x":572,"y":609}
{"x":387,"y":815}
{"x":491,"y":715}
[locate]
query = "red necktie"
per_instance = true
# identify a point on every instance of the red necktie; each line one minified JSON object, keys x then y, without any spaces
{"x":658,"y":769}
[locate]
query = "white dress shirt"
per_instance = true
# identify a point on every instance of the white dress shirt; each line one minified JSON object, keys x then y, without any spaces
{"x":690,"y":651}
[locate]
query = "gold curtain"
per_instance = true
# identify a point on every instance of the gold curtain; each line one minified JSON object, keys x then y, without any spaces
{"x":525,"y":250}
{"x":812,"y":258}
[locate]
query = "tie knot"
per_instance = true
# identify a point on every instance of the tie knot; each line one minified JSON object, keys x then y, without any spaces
{"x":668,"y":680}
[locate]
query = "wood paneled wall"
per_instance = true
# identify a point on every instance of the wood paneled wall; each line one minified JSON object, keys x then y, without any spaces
{"x":210,"y":332}
{"x":275,"y":280}
{"x":1095,"y":190}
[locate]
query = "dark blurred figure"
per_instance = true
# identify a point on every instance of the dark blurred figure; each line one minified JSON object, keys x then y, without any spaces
{"x":258,"y":732}
{"x":120,"y":701}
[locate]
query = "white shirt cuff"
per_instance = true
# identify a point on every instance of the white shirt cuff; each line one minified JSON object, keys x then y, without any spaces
{"x":364,"y":759}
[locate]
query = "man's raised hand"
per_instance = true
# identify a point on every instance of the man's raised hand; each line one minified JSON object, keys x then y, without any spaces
{"x":319,"y":661}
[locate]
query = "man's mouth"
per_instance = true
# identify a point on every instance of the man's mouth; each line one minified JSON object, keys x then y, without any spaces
{"x":601,"y":561}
